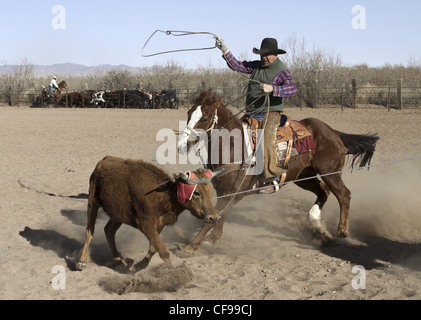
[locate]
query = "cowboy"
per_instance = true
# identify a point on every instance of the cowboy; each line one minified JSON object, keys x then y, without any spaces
{"x":53,"y":84}
{"x":270,"y":82}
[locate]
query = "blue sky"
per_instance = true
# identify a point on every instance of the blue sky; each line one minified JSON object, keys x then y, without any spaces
{"x":114,"y":32}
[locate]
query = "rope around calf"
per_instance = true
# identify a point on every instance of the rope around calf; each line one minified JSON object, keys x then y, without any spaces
{"x":328,"y":174}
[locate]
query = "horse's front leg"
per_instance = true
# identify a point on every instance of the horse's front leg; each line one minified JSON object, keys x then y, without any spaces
{"x":195,"y":244}
{"x":223,"y":207}
{"x":216,"y":233}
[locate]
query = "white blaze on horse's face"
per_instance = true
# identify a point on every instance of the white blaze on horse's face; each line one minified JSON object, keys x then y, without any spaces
{"x":194,"y":119}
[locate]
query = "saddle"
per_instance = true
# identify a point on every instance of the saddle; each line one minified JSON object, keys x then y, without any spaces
{"x":292,"y":138}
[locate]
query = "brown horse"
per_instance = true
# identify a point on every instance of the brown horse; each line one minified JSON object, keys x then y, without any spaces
{"x":329,"y":155}
{"x":57,"y":95}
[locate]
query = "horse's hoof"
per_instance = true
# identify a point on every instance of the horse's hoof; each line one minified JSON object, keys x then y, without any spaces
{"x":342,"y":234}
{"x":122,"y":266}
{"x":185,"y":251}
{"x":327,"y":240}
{"x":140,"y":265}
{"x":80,"y":266}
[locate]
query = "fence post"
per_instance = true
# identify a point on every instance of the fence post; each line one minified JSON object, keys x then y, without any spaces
{"x":188,"y":97}
{"x":354,"y":93}
{"x":301,"y":98}
{"x":400,"y":98}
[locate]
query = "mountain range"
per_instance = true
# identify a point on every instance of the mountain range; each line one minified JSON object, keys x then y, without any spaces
{"x":73,"y":69}
{"x":78,"y":69}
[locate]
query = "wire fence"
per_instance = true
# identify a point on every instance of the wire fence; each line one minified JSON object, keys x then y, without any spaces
{"x":396,"y":97}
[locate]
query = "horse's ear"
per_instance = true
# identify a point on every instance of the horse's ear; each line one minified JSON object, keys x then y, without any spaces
{"x":218,"y":101}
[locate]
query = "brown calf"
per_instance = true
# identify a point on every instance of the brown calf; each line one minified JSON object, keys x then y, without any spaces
{"x":133,"y":192}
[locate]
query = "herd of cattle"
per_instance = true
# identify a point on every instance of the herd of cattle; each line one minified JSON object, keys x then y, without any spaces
{"x":111,"y":99}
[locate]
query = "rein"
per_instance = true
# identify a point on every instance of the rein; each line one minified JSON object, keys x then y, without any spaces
{"x":211,"y":126}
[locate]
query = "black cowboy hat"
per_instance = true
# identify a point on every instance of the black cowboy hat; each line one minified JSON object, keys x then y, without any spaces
{"x":269,"y":45}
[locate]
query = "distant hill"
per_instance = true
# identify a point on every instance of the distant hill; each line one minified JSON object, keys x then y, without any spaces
{"x":73,"y":69}
{"x":65,"y":69}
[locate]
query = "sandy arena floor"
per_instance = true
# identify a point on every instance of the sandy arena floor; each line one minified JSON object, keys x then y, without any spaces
{"x":265,"y":252}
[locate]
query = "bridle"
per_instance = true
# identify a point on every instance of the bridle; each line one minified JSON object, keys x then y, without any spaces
{"x":211,"y":125}
{"x":228,"y":168}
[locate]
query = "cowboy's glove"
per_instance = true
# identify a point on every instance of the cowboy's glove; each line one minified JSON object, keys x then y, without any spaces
{"x":220,"y":44}
{"x":266,"y":88}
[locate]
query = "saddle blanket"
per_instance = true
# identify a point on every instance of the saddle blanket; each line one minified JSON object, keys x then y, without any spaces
{"x":304,"y":145}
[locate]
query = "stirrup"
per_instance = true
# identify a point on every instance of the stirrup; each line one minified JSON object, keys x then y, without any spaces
{"x":273,"y":186}
{"x":270,"y":187}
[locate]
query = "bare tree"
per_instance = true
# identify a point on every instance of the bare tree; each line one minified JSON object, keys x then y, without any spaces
{"x":16,"y":78}
{"x":311,"y":65}
{"x":168,"y":76}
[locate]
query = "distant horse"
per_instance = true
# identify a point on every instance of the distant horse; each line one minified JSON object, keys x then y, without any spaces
{"x":330,"y":150}
{"x":55,"y":94}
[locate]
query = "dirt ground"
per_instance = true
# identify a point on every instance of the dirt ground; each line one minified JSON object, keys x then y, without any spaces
{"x":266,"y":251}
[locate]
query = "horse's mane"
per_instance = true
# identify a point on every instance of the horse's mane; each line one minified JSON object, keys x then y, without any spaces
{"x":207,"y":97}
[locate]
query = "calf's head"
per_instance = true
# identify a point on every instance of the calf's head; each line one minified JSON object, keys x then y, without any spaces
{"x":194,"y":192}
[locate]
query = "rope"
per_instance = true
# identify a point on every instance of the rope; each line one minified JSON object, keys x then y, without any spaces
{"x":328,"y":174}
{"x":266,"y":103}
{"x":176,"y":33}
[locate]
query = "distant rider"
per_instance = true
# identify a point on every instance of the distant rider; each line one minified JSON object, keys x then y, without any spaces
{"x":53,"y":84}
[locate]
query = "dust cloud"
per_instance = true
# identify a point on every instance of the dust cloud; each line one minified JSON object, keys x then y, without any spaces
{"x":151,"y":280}
{"x":385,"y":202}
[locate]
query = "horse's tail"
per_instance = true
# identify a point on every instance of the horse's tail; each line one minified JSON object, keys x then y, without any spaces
{"x":361,"y":146}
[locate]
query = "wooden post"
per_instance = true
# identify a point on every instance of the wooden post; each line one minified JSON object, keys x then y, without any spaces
{"x":399,"y":91}
{"x":301,"y":98}
{"x":354,"y":93}
{"x":342,"y":99}
{"x":188,"y":97}
{"x":10,"y":96}
{"x":388,"y":100}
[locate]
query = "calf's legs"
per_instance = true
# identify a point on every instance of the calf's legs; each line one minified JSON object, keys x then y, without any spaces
{"x":155,"y":245}
{"x":149,"y":229}
{"x":110,"y":230}
{"x":92,"y":214}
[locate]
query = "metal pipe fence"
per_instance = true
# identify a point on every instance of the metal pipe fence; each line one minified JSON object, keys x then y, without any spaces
{"x":386,"y":97}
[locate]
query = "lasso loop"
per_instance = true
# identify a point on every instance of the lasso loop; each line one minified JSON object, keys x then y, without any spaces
{"x":176,"y":33}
